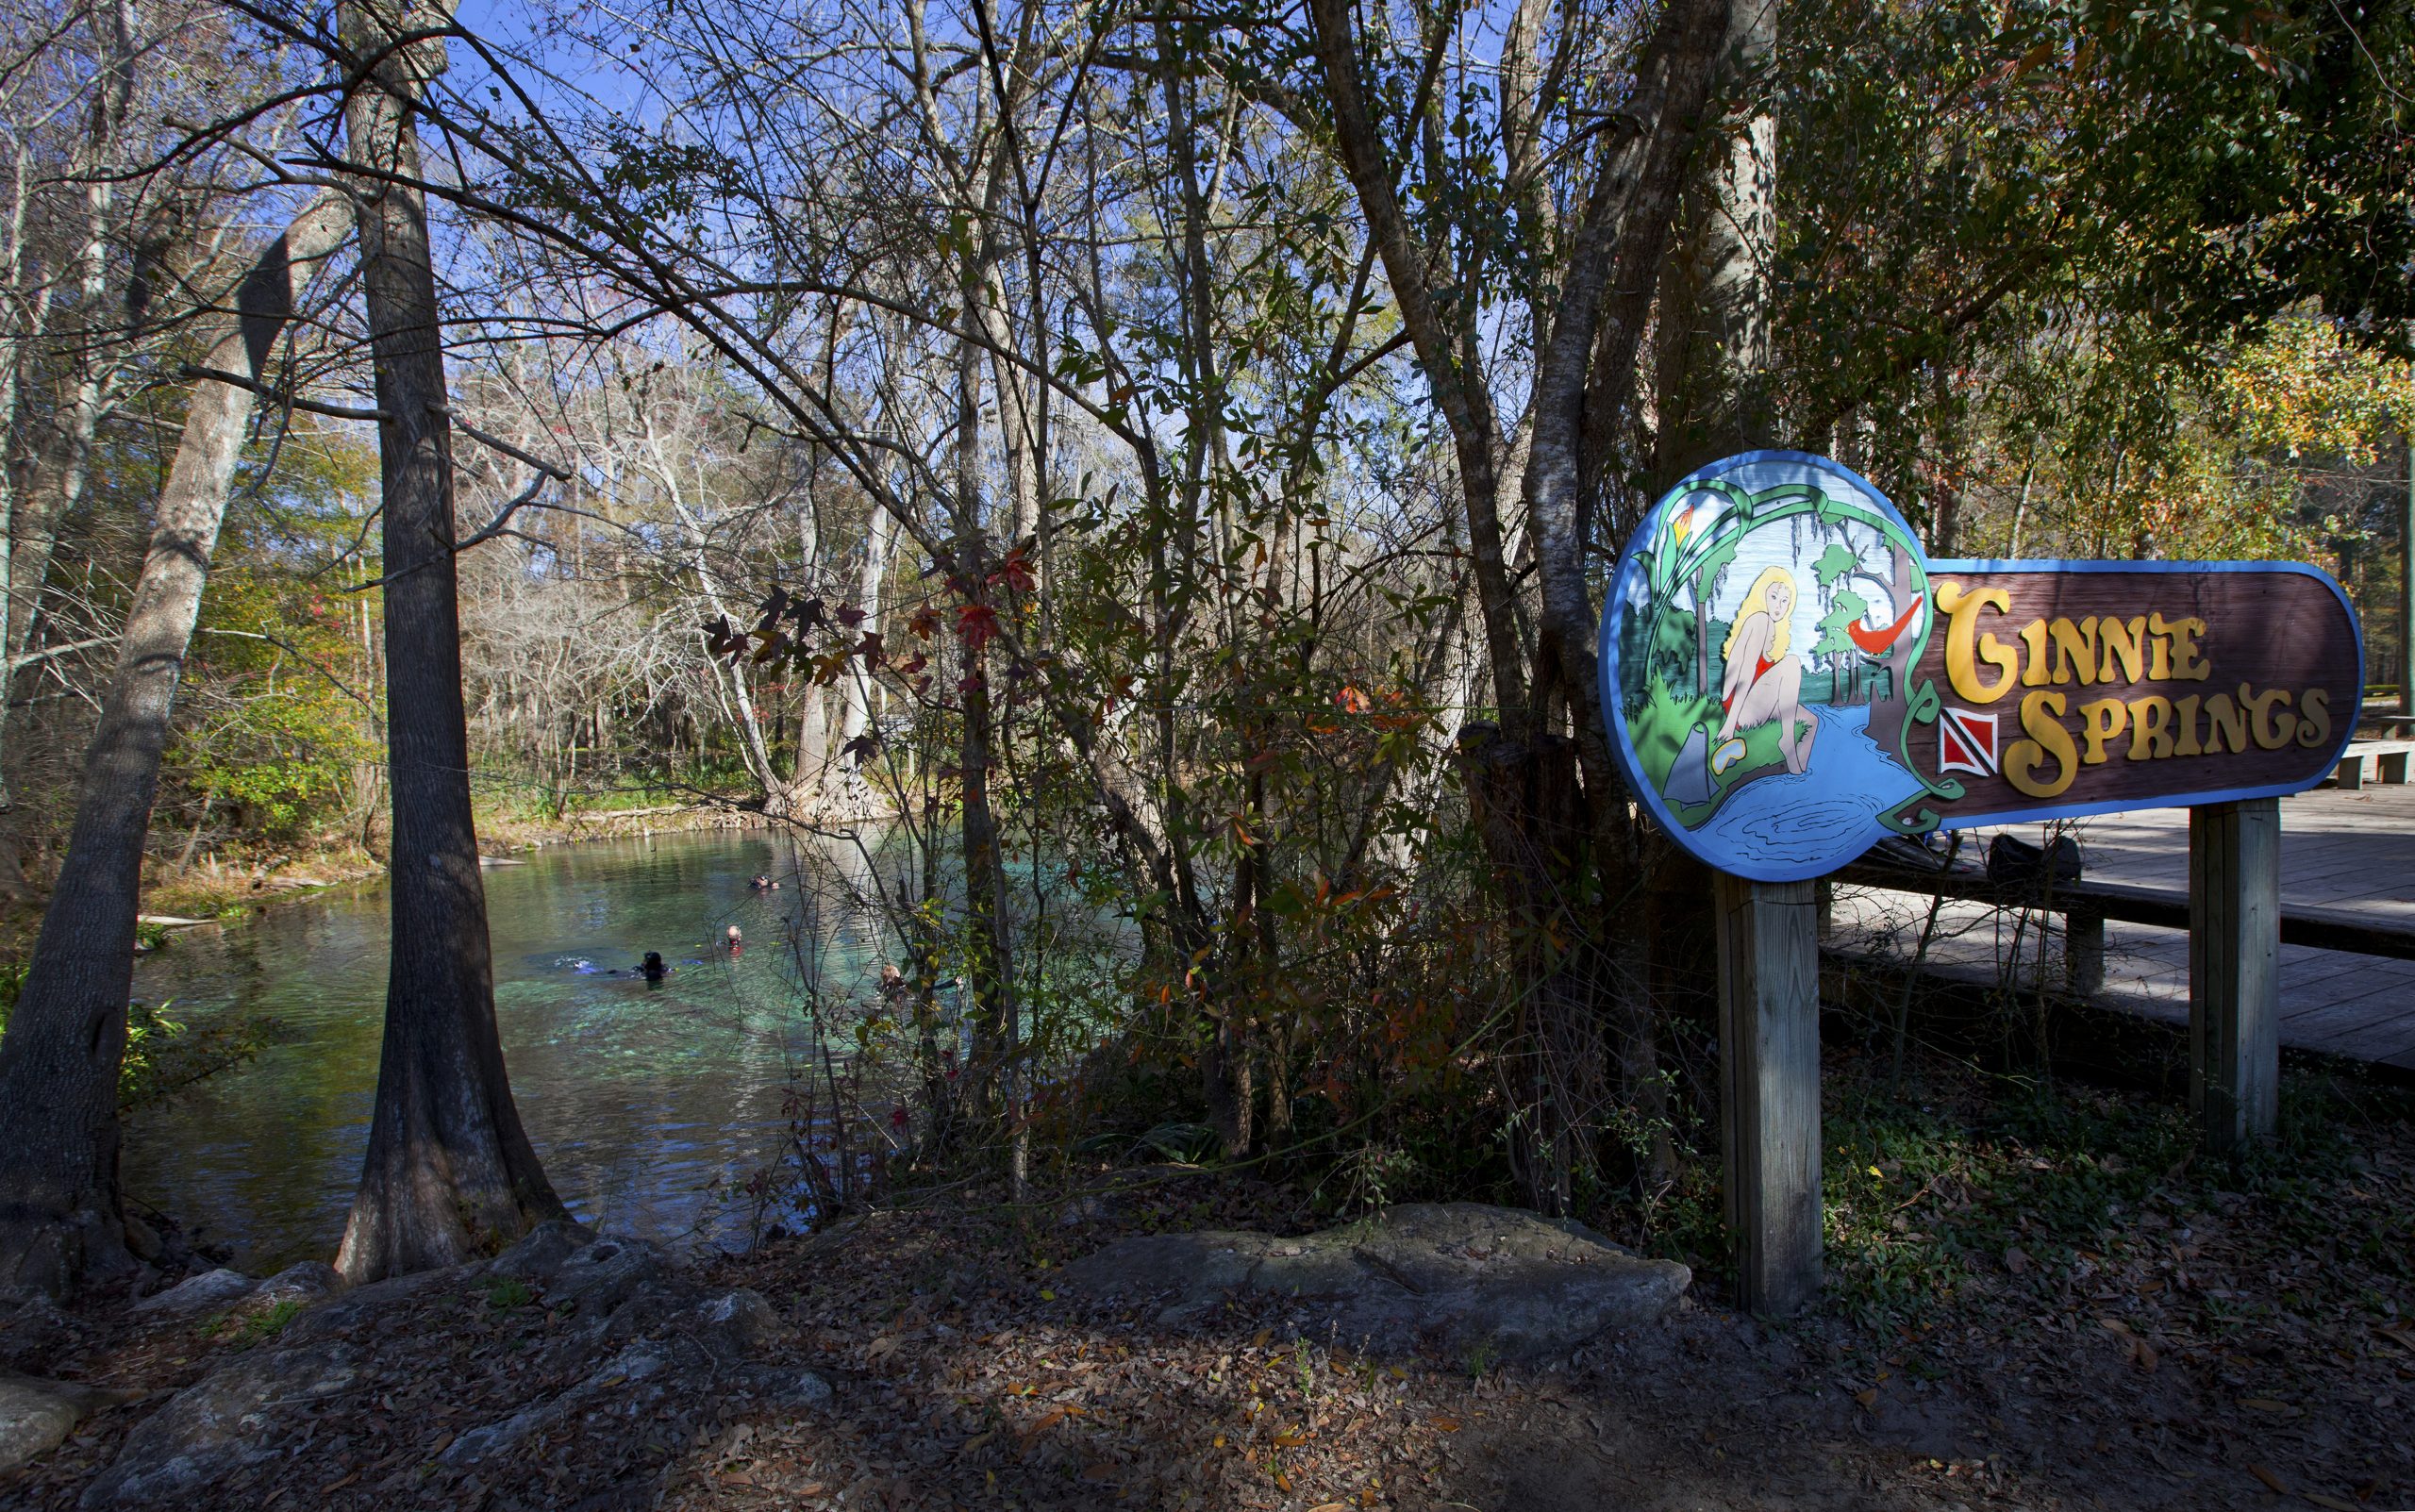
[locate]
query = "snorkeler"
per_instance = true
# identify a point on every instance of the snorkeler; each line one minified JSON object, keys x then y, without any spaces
{"x":760,"y":882}
{"x":654,"y":971}
{"x":1765,"y":681}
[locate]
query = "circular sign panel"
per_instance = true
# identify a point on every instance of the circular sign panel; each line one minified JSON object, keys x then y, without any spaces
{"x":1756,"y":660}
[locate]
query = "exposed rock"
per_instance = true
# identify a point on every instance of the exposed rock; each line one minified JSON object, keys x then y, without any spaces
{"x":541,"y":1251}
{"x":592,"y":1279}
{"x":639,"y":1363}
{"x":1461,"y":1277}
{"x":33,"y":1331}
{"x":222,"y":1291}
{"x":673,"y":1337}
{"x":36,"y":1416}
{"x":211,"y":1291}
{"x":629,"y":1331}
{"x":336,"y":1318}
{"x":1089,"y":1209}
{"x":218,"y":1425}
{"x":306,"y":1281}
{"x":742,"y":1321}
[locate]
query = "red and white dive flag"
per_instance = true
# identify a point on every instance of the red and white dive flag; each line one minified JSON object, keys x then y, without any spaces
{"x":1966,"y":743}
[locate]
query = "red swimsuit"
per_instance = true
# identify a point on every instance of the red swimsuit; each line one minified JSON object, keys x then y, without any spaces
{"x":1758,"y":672}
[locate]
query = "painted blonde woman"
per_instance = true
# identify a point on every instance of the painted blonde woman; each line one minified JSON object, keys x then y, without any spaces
{"x":1764,"y":682}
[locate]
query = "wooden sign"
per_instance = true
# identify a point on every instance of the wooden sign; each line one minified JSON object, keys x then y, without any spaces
{"x":1788,"y":680}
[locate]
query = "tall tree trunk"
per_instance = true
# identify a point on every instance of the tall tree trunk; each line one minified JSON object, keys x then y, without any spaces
{"x":64,"y":458}
{"x":1713,"y":377}
{"x":449,"y":1172}
{"x":1615,"y":258}
{"x":991,"y":960}
{"x":60,"y":1215}
{"x":812,"y":753}
{"x":844,"y":783}
{"x":1713,"y":399}
{"x":1459,"y":388}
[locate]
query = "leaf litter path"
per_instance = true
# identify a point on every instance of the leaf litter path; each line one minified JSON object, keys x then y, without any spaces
{"x":962,"y":1379}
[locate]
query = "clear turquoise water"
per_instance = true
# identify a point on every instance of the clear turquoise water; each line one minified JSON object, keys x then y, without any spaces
{"x":645,"y":1103}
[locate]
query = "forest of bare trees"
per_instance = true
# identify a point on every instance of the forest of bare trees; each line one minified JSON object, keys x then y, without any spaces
{"x":1178,"y":452}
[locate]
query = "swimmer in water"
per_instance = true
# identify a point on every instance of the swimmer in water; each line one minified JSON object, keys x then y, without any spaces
{"x":654,"y":971}
{"x":761,"y":883}
{"x":736,"y":941}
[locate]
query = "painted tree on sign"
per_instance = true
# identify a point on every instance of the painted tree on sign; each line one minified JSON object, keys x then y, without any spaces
{"x":1845,"y":609}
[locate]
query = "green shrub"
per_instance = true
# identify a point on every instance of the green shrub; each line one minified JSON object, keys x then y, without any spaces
{"x":163,"y":1056}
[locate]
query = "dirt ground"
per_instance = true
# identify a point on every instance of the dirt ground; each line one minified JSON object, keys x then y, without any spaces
{"x":962,"y":1379}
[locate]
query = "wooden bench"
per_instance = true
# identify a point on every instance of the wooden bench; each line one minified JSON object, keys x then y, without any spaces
{"x":2380,"y":761}
{"x":2086,"y":905}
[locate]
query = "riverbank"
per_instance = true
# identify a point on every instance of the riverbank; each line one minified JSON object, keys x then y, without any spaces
{"x":225,"y":887}
{"x":2036,"y":1300}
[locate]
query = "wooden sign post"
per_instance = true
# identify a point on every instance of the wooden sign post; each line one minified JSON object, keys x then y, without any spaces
{"x":2235,"y":971}
{"x":1787,"y":679}
{"x":1769,"y":1035}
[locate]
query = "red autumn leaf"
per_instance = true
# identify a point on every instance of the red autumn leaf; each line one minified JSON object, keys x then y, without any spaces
{"x":977,"y":625}
{"x":1014,"y":572}
{"x":925,"y":622}
{"x":774,"y":609}
{"x":1351,"y":701}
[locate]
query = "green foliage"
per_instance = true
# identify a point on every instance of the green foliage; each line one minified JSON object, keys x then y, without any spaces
{"x":163,"y":1056}
{"x":504,"y":1293}
{"x":281,"y":734}
{"x":281,"y":706}
{"x":256,"y":1328}
{"x":1184,"y":1143}
{"x":1925,"y":1200}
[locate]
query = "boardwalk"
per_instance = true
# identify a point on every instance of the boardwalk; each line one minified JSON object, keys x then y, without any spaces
{"x":2351,"y":850}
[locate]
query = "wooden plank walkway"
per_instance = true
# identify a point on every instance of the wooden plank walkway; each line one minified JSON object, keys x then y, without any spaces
{"x":2348,"y":849}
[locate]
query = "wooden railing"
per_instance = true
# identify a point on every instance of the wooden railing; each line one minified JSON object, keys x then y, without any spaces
{"x":2086,"y":905}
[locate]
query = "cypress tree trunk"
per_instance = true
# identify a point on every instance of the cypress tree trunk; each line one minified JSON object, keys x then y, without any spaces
{"x":59,"y":1214}
{"x":449,"y":1171}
